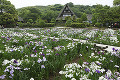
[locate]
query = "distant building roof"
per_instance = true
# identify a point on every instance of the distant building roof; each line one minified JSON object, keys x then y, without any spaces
{"x":20,"y":19}
{"x":66,"y":11}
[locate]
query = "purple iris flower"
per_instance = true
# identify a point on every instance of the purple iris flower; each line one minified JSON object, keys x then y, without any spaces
{"x":35,"y":51}
{"x":56,"y":54}
{"x":113,"y":49}
{"x":87,"y":70}
{"x":6,"y":70}
{"x":42,"y":66}
{"x":116,"y":50}
{"x":103,"y":53}
{"x":98,"y":52}
{"x":97,"y":71}
{"x":26,"y":43}
{"x":2,"y":77}
{"x":15,"y":61}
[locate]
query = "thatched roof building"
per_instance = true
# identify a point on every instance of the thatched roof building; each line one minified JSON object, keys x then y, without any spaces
{"x":65,"y":12}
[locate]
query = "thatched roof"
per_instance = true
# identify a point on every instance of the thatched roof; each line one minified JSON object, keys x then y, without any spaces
{"x":66,"y":7}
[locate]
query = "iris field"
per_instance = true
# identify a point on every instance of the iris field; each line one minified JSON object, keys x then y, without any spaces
{"x":30,"y":54}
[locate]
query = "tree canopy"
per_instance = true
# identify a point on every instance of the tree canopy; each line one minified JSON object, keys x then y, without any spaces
{"x":116,"y":2}
{"x":8,"y":13}
{"x":100,"y":14}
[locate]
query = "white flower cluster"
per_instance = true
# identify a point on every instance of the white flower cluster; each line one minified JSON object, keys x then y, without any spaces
{"x":71,"y":45}
{"x":70,"y":70}
{"x":82,"y":72}
{"x":12,"y":61}
{"x":8,"y":49}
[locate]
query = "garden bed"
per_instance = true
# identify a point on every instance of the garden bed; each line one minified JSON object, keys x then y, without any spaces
{"x":27,"y":54}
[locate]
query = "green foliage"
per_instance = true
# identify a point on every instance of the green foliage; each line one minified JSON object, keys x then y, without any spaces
{"x":77,"y":25}
{"x":70,"y":4}
{"x":49,"y":15}
{"x":100,"y":14}
{"x":74,"y":18}
{"x":53,"y":20}
{"x":98,"y":24}
{"x":79,"y":20}
{"x":68,"y":18}
{"x":56,"y":7}
{"x":29,"y":13}
{"x":30,"y":20}
{"x":116,"y":2}
{"x":60,"y":21}
{"x":113,"y":14}
{"x":8,"y":15}
{"x":49,"y":24}
{"x":20,"y":24}
{"x":28,"y":24}
{"x":41,"y":23}
{"x":84,"y":17}
{"x":87,"y":24}
{"x":68,"y":23}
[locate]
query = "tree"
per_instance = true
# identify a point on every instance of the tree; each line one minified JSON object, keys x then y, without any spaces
{"x":70,"y":4}
{"x":116,"y":2}
{"x":100,"y":14}
{"x":84,"y":17}
{"x":49,"y":15}
{"x":74,"y":18}
{"x":8,"y":14}
{"x":40,"y":22}
{"x":113,"y":14}
{"x":29,"y":13}
{"x":56,"y":7}
{"x":30,"y":20}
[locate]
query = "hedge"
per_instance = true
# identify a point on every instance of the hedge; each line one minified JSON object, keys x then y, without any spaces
{"x":49,"y":24}
{"x":36,"y":25}
{"x":77,"y":25}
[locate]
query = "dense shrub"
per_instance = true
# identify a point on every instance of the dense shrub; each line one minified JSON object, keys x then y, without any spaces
{"x":20,"y":24}
{"x":53,"y":20}
{"x":87,"y":24}
{"x":79,"y":20}
{"x":77,"y":25}
{"x":68,"y":18}
{"x":10,"y":25}
{"x":68,"y":23}
{"x":49,"y":24}
{"x":42,"y":24}
{"x":98,"y":24}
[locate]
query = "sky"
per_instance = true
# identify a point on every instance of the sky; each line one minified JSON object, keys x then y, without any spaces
{"x":24,"y":3}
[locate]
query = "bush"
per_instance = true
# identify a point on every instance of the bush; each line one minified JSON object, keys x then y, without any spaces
{"x":41,"y":24}
{"x":87,"y":24}
{"x":10,"y":25}
{"x":20,"y":24}
{"x":98,"y":24}
{"x":49,"y":24}
{"x":68,"y":18}
{"x":68,"y":23}
{"x":79,"y":20}
{"x":53,"y":20}
{"x":77,"y":25}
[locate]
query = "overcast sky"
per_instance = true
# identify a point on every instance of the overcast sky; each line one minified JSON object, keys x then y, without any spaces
{"x":24,"y":3}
